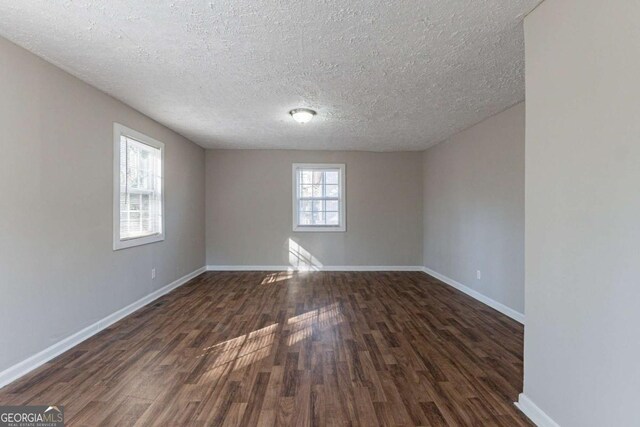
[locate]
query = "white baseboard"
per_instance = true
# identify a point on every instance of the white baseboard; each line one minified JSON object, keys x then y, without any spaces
{"x":314,"y":268}
{"x":515,"y":315}
{"x":534,"y":413}
{"x":21,"y":368}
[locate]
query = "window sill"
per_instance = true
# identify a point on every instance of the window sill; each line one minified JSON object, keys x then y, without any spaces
{"x":139,"y":241}
{"x":316,"y":229}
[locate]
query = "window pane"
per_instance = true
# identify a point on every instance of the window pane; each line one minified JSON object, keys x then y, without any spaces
{"x":306,"y":191}
{"x":318,"y":218}
{"x":305,"y":218}
{"x":134,"y":202}
{"x":332,"y":177}
{"x":305,"y":205}
{"x":318,"y":185}
{"x":123,"y":168}
{"x":140,"y":185}
{"x":306,"y":176}
{"x":332,"y":190}
{"x":332,"y":205}
{"x":333,"y":218}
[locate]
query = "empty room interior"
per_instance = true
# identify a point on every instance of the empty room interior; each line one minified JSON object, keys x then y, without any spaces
{"x":300,"y":213}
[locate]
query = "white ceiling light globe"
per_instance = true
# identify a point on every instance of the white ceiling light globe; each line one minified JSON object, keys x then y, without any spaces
{"x":302,"y":115}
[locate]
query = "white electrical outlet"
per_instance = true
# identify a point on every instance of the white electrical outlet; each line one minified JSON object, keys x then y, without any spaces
{"x":153,"y":273}
{"x":478,"y":274}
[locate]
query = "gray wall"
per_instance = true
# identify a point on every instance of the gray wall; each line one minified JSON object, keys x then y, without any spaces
{"x":582,"y":231}
{"x":474,"y":207}
{"x":58,"y":272}
{"x":249,"y":213}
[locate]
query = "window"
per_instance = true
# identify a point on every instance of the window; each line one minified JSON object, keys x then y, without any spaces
{"x":318,"y":197}
{"x":138,"y":195}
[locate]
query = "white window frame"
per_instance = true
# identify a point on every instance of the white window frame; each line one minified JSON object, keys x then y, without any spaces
{"x":118,"y":243}
{"x":342,"y":225}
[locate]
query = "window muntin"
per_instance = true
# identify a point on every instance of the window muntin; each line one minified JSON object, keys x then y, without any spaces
{"x":138,"y":189}
{"x":318,"y":197}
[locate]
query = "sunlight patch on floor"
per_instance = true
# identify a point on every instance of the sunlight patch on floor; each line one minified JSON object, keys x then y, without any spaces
{"x":241,"y":351}
{"x":302,"y":326}
{"x":276,"y":277}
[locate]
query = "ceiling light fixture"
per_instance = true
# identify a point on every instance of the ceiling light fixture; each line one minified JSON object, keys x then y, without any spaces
{"x":302,"y":115}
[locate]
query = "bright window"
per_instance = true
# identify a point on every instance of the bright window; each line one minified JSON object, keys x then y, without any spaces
{"x":318,"y":197}
{"x":138,"y":189}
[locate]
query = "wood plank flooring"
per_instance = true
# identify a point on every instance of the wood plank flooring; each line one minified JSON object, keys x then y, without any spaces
{"x":265,"y":349}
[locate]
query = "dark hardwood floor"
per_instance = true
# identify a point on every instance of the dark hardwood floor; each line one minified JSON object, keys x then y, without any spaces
{"x":262,"y":348}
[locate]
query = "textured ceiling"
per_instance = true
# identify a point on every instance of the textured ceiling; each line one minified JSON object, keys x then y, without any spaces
{"x":383,"y":75}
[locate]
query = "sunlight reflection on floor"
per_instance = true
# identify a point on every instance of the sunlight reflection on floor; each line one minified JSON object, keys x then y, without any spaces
{"x":276,"y":277}
{"x":323,"y":318}
{"x":239,"y":352}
